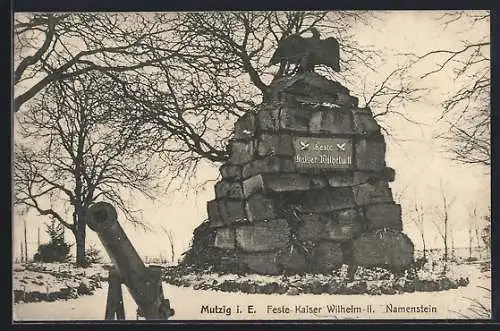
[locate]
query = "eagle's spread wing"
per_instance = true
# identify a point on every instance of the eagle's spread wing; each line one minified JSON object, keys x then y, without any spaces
{"x":290,"y":49}
{"x":329,"y":53}
{"x":308,"y":52}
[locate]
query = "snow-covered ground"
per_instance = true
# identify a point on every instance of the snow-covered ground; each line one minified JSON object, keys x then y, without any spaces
{"x":215,"y":305}
{"x":34,"y":282}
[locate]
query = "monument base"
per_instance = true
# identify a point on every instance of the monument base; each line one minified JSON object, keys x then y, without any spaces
{"x":305,"y":189}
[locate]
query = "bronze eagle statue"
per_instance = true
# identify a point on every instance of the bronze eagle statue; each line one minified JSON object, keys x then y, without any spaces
{"x":305,"y":53}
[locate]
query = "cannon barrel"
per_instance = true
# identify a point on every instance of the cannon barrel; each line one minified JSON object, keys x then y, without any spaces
{"x":144,"y":283}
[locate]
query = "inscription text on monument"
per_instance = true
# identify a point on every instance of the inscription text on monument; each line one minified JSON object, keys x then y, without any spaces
{"x":312,"y":152}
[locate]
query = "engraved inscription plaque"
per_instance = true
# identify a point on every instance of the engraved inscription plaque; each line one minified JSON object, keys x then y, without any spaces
{"x":323,"y":153}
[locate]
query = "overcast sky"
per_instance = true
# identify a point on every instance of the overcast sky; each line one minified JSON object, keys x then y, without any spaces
{"x":416,"y":156}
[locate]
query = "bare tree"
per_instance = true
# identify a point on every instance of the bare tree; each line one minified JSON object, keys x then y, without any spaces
{"x":25,"y":243}
{"x":50,"y":47}
{"x":188,"y":75}
{"x":467,"y":108}
{"x":22,"y":251}
{"x":472,"y":227}
{"x":443,"y":223}
{"x":389,"y":97}
{"x":419,"y":221}
{"x":73,"y":148}
{"x":170,"y":238}
{"x":486,"y":235}
{"x":221,"y":72}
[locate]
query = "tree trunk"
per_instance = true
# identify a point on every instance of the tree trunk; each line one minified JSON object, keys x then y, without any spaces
{"x":25,"y":244}
{"x":445,"y":257}
{"x":423,"y":244}
{"x":80,"y":236}
{"x":470,"y":243}
{"x":445,"y":239}
{"x":22,"y":252}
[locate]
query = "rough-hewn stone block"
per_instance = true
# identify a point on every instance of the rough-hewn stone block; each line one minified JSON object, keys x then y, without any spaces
{"x":355,"y":101}
{"x":279,"y":182}
{"x":258,"y":208}
{"x":274,"y":144}
{"x":254,"y":184}
{"x":340,"y":178}
{"x":346,"y":100}
{"x":361,"y":177}
{"x":339,"y":216}
{"x":348,"y":215}
{"x":386,"y":215}
{"x":305,"y":85}
{"x":370,"y":154}
{"x":319,"y":181}
{"x":292,"y":259}
{"x":229,"y":189}
{"x":326,"y":199}
{"x":387,"y":174}
{"x":364,"y":123}
{"x":315,"y":122}
{"x":328,"y":230}
{"x":384,"y":248}
{"x":266,"y":120}
{"x":310,"y":230}
{"x":230,"y":171}
{"x":261,"y":263}
{"x":287,"y":182}
{"x":263,"y":236}
{"x":372,"y":193}
{"x":231,"y":210}
{"x":326,"y":257}
{"x":269,"y":164}
{"x":240,"y":152}
{"x":314,"y":217}
{"x":214,"y":215}
{"x":294,"y":118}
{"x":341,"y":232}
{"x":224,"y":238}
{"x":331,"y":121}
{"x":244,"y":128}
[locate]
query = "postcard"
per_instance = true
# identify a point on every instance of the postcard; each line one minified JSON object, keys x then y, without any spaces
{"x":254,"y":165}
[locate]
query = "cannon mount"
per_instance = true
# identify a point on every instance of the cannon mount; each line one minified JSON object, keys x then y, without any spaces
{"x":144,"y":283}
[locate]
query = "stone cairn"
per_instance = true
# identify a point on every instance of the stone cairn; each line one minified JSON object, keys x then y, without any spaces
{"x":305,"y":189}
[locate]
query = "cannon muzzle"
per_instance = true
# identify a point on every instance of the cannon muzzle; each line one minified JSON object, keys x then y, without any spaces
{"x":143,"y":283}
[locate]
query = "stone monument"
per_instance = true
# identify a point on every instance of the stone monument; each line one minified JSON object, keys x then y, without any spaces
{"x":305,"y":189}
